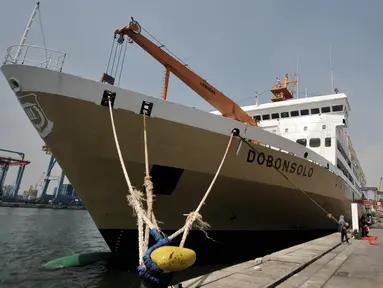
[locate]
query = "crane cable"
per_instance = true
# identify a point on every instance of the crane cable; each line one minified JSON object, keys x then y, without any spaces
{"x":329,"y":215}
{"x":116,"y":66}
{"x":135,"y":199}
{"x":110,"y":55}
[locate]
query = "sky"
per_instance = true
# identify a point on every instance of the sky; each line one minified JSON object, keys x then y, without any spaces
{"x":240,"y":47}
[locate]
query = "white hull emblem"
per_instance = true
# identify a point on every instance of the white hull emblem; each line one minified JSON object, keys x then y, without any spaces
{"x":36,"y":114}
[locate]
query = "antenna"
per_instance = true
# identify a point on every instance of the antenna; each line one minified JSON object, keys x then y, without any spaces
{"x":24,"y":37}
{"x":331,"y":72}
{"x":297,"y":77}
{"x":306,"y":92}
{"x":256,"y":98}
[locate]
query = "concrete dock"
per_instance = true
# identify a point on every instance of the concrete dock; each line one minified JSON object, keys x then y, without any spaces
{"x":323,"y":262}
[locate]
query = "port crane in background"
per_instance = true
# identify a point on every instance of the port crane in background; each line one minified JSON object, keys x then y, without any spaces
{"x":48,"y":177}
{"x":378,"y":192}
{"x":213,"y":96}
{"x":5,"y":163}
{"x":39,"y":183}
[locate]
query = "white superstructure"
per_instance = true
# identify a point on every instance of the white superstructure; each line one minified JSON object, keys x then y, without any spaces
{"x":319,"y":123}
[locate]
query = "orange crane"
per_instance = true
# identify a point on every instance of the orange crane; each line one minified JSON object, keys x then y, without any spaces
{"x":217,"y":99}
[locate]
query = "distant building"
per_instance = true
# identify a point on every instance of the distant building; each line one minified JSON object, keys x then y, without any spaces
{"x":67,"y":195}
{"x":369,"y":193}
{"x":25,"y":195}
{"x":8,"y":190}
{"x":33,"y":194}
{"x":67,"y":190}
{"x":30,"y":194}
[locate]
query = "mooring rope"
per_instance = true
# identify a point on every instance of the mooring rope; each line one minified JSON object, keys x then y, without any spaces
{"x":135,"y":199}
{"x":329,"y":215}
{"x":147,"y":218}
{"x":195,"y":216}
{"x":149,"y":190}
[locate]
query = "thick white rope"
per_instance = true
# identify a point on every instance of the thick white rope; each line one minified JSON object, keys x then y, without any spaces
{"x":195,"y":216}
{"x":149,"y":191}
{"x":135,"y":198}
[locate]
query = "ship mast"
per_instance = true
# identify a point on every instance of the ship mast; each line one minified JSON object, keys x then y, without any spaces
{"x":284,"y":90}
{"x":331,"y":72}
{"x":24,"y":37}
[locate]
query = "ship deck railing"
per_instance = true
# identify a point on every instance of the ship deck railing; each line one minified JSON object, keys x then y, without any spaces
{"x":35,"y":56}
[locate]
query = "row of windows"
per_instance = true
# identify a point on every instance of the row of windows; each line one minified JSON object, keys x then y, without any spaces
{"x":344,"y":170}
{"x":304,"y":128}
{"x":296,"y":113}
{"x":341,"y":150}
{"x":347,"y":160}
{"x":315,"y":142}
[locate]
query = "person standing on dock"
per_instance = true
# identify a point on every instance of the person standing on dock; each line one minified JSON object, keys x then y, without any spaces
{"x":365,"y":226}
{"x":343,"y":229}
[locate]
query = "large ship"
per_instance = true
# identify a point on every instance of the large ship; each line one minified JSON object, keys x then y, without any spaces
{"x":291,"y":162}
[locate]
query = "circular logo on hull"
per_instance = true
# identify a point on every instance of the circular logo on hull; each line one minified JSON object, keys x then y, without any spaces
{"x":36,"y":114}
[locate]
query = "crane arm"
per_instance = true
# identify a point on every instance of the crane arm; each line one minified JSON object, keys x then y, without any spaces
{"x":217,"y":99}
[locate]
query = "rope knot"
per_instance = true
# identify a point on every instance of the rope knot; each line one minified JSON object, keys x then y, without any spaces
{"x":148,"y":183}
{"x":194,"y":219}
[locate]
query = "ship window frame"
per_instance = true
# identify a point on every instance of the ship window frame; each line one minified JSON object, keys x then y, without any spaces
{"x":302,"y":141}
{"x":305,"y":112}
{"x":326,"y":109}
{"x":285,"y":114}
{"x":314,"y":142}
{"x":275,"y":116}
{"x":327,"y":142}
{"x":266,"y":117}
{"x":335,"y":108}
{"x":314,"y":111}
{"x":257,"y":117}
{"x":295,"y":111}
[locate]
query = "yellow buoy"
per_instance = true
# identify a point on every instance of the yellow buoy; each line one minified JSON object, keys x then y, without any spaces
{"x":172,"y":258}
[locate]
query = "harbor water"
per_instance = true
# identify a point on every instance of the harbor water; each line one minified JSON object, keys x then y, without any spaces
{"x":30,"y":237}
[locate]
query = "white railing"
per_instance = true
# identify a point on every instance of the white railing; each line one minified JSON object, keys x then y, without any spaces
{"x":35,"y":56}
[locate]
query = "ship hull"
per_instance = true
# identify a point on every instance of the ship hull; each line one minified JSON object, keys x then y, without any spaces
{"x":251,"y":202}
